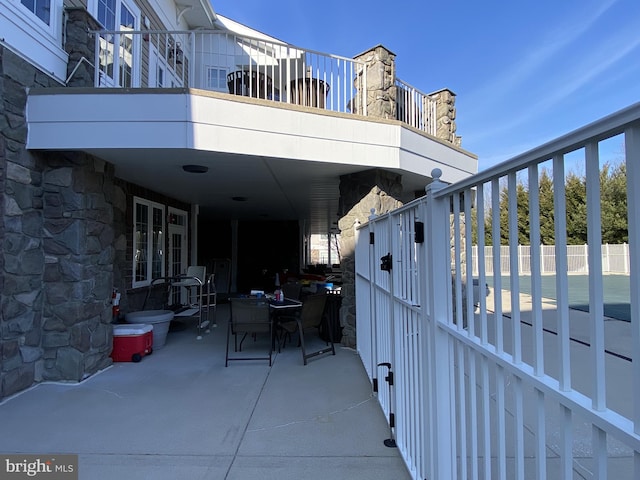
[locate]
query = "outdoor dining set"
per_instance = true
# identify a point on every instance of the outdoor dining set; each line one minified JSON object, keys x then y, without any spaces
{"x":277,"y":320}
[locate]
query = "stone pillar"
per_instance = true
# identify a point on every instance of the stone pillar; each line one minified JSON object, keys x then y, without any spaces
{"x":445,"y":115}
{"x":56,"y":256}
{"x":21,"y":253}
{"x":381,"y":91}
{"x":80,"y":45}
{"x":359,"y":193}
{"x":79,"y":256}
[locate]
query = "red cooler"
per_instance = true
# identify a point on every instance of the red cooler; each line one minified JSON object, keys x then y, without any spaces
{"x":131,"y":342}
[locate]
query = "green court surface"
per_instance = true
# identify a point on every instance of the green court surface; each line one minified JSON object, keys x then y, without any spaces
{"x":616,"y":292}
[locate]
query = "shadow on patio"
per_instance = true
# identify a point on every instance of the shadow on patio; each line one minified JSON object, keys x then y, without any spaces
{"x":180,"y":413}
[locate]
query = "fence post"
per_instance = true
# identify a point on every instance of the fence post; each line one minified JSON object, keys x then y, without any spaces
{"x":586,"y":257}
{"x":438,"y":292}
{"x":625,"y":251}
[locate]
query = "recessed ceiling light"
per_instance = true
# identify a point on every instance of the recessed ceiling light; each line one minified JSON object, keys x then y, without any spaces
{"x":239,"y":199}
{"x":195,"y":168}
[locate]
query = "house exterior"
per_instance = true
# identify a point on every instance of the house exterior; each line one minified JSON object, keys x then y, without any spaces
{"x":108,"y":108}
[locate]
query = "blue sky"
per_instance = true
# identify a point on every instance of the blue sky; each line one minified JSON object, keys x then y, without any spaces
{"x":524,"y":72}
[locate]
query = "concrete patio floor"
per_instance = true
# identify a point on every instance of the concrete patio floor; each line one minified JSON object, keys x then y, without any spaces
{"x":180,"y":414}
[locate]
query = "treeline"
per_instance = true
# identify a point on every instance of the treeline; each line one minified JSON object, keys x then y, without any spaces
{"x":613,"y":204}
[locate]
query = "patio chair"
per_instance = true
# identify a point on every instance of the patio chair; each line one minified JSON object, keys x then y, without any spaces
{"x":194,"y":277}
{"x":237,"y":83}
{"x":311,"y":316}
{"x":292,"y":290}
{"x":249,"y":316}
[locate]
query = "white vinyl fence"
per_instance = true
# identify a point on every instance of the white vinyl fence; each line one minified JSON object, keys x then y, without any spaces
{"x":615,"y":259}
{"x":520,"y":390}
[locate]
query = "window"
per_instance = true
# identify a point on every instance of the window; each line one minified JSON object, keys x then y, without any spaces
{"x":117,"y":15}
{"x":148,"y":241}
{"x":160,"y":72}
{"x":216,"y":78}
{"x":35,"y":27}
{"x":41,"y":9}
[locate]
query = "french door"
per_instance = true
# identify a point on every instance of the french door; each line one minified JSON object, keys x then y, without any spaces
{"x":118,"y":53}
{"x":178,"y":250}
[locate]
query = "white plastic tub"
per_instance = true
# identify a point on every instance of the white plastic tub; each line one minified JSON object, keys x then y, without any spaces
{"x":160,"y":319}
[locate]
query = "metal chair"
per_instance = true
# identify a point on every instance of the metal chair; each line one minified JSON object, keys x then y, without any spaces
{"x":195,"y":277}
{"x":237,"y":83}
{"x":312,"y":315}
{"x":208,"y":301}
{"x":249,"y":316}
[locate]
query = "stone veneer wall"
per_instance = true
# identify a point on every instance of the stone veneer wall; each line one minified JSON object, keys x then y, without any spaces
{"x":57,"y":256}
{"x":80,"y":46}
{"x":359,"y":194}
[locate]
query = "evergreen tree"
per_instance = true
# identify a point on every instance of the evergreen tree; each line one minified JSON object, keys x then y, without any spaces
{"x":613,"y":184}
{"x":547,"y":228}
{"x":613,"y":206}
{"x":576,"y":195}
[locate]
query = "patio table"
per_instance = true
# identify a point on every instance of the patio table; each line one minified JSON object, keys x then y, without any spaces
{"x":286,"y":306}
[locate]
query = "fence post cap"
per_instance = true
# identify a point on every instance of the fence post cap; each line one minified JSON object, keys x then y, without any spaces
{"x":436,"y":184}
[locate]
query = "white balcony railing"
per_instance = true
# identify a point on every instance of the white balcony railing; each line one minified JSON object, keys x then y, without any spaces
{"x":510,"y":385}
{"x":230,"y":63}
{"x":416,"y":108}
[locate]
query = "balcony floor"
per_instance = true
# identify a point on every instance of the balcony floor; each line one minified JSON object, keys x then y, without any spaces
{"x":180,"y":414}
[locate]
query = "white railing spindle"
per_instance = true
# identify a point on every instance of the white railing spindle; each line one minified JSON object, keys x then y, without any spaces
{"x":515,"y":392}
{"x":596,"y":307}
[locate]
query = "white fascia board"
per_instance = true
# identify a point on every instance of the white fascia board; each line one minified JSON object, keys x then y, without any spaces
{"x":235,"y":127}
{"x":208,"y":123}
{"x":62,"y":121}
{"x":420,"y":152}
{"x":167,"y":10}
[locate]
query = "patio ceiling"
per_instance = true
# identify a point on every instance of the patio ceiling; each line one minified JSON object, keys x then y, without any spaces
{"x":245,"y":187}
{"x":238,"y":186}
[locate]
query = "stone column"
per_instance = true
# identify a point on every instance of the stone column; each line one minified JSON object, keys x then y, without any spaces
{"x":79,"y":256}
{"x":359,"y":193}
{"x":21,"y":254}
{"x":56,"y":258}
{"x":80,"y":46}
{"x":381,"y":91}
{"x":445,"y":115}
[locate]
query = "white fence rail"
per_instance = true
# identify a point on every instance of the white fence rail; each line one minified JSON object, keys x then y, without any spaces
{"x":226,"y":62}
{"x":615,"y":259}
{"x":518,"y":390}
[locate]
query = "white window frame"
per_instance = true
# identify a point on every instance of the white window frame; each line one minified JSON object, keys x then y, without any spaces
{"x":40,"y":44}
{"x":156,"y":63}
{"x":207,"y":78}
{"x":92,"y":6}
{"x":49,"y":23}
{"x":148,"y":277}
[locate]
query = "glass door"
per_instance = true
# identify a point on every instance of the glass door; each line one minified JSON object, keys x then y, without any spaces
{"x":118,"y":51}
{"x":178,"y":250}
